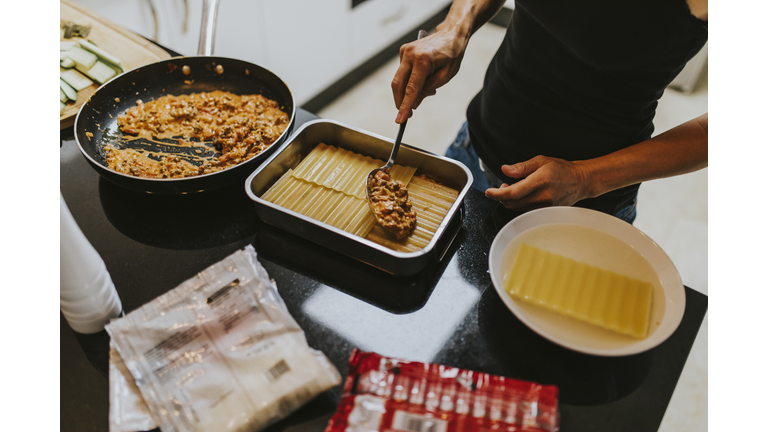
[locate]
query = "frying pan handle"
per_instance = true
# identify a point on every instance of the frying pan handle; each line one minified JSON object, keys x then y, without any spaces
{"x":208,"y":29}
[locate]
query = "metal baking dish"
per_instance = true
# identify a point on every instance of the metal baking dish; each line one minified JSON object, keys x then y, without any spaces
{"x":447,"y":171}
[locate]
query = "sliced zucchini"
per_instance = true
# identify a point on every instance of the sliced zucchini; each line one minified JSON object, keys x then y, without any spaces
{"x":82,"y":69}
{"x":63,"y":55}
{"x":82,"y":57}
{"x":62,"y":95}
{"x":103,"y":55}
{"x":101,"y":72}
{"x":66,"y":45}
{"x":68,"y":90}
{"x":67,"y":63}
{"x":74,"y":78}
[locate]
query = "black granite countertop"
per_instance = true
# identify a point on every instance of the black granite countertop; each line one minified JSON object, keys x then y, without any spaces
{"x":449,"y":313}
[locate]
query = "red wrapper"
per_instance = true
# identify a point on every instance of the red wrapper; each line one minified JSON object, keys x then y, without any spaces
{"x":383,"y":394}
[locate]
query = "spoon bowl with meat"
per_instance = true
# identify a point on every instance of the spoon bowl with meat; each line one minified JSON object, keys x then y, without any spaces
{"x":389,"y":202}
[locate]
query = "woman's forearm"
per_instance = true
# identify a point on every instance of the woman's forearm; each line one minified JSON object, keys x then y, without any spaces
{"x":466,"y":16}
{"x":680,"y":150}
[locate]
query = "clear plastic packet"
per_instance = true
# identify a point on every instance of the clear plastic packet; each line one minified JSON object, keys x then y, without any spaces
{"x":127,"y":410}
{"x":383,"y":394}
{"x":221,"y":352}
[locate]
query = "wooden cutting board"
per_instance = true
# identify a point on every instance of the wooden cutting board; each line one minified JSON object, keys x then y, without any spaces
{"x":131,"y":49}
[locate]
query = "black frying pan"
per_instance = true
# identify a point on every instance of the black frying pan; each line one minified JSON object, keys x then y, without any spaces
{"x":98,"y":116}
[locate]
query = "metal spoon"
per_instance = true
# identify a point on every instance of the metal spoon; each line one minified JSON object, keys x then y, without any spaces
{"x":393,"y":155}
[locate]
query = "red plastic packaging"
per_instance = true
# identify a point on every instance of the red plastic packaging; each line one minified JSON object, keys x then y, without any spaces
{"x":386,"y":395}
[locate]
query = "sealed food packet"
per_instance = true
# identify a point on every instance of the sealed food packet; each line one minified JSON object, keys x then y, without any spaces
{"x":127,"y":410}
{"x":221,"y":352}
{"x":383,"y":394}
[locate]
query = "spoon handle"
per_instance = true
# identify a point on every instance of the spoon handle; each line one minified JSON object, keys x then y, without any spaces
{"x":393,"y":155}
{"x":396,"y":147}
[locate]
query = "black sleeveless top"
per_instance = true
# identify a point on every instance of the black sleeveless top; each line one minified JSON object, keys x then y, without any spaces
{"x":580,"y":79}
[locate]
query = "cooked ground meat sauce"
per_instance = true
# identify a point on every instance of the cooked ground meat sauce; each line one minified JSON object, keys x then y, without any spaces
{"x":239,"y":126}
{"x":390,"y":204}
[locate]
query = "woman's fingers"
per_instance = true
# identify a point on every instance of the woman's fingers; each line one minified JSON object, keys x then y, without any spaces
{"x":524,"y":169}
{"x":519,"y":197}
{"x":516,"y":192}
{"x":400,"y":80}
{"x":425,"y":65}
{"x":421,"y":68}
{"x":544,"y":182}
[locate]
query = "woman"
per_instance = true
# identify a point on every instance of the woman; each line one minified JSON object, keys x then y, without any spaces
{"x":565,"y":116}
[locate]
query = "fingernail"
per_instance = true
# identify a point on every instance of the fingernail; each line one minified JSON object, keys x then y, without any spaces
{"x":512,"y":168}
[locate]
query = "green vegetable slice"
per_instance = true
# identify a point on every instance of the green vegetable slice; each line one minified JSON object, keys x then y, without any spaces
{"x":67,"y":90}
{"x":103,"y":55}
{"x":74,"y":78}
{"x":66,"y":45}
{"x":101,"y":72}
{"x":82,"y":57}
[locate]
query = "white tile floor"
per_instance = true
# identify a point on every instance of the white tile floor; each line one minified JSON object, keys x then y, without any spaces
{"x":671,"y":211}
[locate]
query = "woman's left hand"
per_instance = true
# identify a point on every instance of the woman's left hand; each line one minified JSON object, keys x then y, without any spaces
{"x":546,"y":182}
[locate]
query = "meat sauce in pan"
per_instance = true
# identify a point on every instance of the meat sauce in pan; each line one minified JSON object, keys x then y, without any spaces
{"x":240,"y":127}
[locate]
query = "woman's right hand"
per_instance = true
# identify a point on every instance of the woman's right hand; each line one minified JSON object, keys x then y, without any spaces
{"x":425,"y":65}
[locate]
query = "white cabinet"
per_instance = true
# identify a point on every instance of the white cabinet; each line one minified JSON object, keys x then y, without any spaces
{"x":375,"y":24}
{"x":310,"y":44}
{"x":179,"y":21}
{"x":304,"y":42}
{"x":135,"y":15}
{"x":239,"y":30}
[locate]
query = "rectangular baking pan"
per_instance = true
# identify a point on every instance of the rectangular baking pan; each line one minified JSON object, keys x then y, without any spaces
{"x":446,"y":171}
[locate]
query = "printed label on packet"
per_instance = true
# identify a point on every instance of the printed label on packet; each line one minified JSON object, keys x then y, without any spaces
{"x":224,"y":304}
{"x":410,"y":422}
{"x":366,"y":414}
{"x":278,"y":370}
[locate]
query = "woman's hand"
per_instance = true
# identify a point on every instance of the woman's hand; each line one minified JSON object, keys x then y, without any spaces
{"x":549,"y":181}
{"x":426,"y":65}
{"x":545,"y":182}
{"x":429,"y":63}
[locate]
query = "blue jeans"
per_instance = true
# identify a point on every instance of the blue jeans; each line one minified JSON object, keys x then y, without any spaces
{"x":462,"y":151}
{"x":629,"y":212}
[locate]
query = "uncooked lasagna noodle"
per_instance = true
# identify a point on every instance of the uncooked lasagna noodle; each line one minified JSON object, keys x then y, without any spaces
{"x":337,"y":209}
{"x":329,"y":186}
{"x":343,"y":170}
